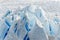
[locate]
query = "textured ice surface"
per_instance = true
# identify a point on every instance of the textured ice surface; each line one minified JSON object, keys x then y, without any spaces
{"x":29,"y":21}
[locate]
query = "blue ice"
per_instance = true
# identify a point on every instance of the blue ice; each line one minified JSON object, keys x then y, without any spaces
{"x":22,"y":25}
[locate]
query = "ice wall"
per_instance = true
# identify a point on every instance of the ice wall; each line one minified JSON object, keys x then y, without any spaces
{"x":29,"y":20}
